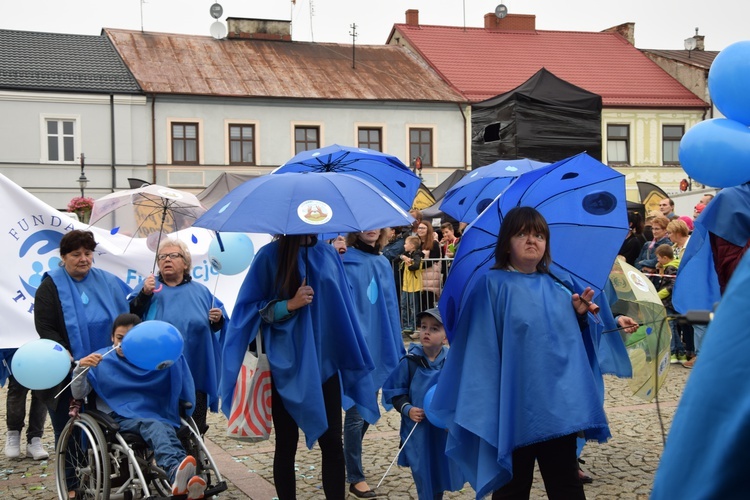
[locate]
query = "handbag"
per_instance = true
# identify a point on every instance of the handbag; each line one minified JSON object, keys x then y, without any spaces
{"x":432,"y":279}
{"x":250,"y":416}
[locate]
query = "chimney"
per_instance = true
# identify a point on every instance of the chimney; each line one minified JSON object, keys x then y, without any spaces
{"x":626,"y":30}
{"x":412,"y":17}
{"x":511,"y":22}
{"x":699,"y":42}
{"x":258,"y":29}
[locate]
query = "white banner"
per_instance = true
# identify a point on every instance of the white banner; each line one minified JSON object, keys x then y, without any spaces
{"x":30,"y":244}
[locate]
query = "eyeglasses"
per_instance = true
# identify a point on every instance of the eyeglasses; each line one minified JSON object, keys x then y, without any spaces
{"x":172,"y":256}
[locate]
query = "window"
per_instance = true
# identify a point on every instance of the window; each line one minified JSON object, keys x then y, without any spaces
{"x":671,"y":135}
{"x":306,"y":138}
{"x":618,"y":144}
{"x":242,"y":144}
{"x":370,"y":138}
{"x":420,"y":145}
{"x":61,"y":140}
{"x":185,"y":143}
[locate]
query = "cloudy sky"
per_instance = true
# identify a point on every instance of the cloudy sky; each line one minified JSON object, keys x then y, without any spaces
{"x":660,"y":24}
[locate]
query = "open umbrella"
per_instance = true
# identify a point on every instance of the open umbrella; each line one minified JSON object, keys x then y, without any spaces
{"x":304,"y":203}
{"x":466,"y":199}
{"x":583,"y":202}
{"x":148,"y":212}
{"x":648,"y":347}
{"x":384,"y":171}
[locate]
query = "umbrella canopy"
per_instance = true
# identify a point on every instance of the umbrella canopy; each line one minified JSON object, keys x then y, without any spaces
{"x":147,"y":212}
{"x":465,"y":200}
{"x":384,"y":171}
{"x":583,"y":202}
{"x":648,"y":347}
{"x":304,"y":203}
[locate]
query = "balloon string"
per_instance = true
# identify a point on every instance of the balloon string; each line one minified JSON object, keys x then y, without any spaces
{"x":397,"y":454}
{"x":7,"y":367}
{"x":82,"y":372}
{"x":213,"y":295}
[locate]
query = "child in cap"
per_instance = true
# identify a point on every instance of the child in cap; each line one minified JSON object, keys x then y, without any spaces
{"x":405,"y":389}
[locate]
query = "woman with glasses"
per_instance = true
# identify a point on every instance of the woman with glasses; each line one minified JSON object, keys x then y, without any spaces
{"x":195,"y":312}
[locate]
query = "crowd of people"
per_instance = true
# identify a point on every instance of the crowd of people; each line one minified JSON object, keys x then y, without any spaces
{"x":334,"y":317}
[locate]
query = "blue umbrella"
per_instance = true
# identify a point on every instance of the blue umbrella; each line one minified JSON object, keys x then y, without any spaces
{"x":583,"y":202}
{"x":466,"y":199}
{"x":384,"y":171}
{"x":304,"y":203}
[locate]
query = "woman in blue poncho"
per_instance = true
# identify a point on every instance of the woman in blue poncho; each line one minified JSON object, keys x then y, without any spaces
{"x":296,"y":295}
{"x":518,"y":385}
{"x":195,"y":312}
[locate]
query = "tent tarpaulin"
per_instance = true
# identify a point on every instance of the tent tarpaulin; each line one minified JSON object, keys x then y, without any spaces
{"x":439,"y":192}
{"x":221,"y":186}
{"x":543,"y":119}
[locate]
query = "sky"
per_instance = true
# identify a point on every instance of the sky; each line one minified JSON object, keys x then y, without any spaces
{"x":659,"y":24}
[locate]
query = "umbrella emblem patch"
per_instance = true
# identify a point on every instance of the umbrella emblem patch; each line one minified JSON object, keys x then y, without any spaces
{"x":314,"y":212}
{"x":637,"y":281}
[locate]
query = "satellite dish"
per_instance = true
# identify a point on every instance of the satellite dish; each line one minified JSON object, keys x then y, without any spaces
{"x":216,"y":11}
{"x":218,"y":30}
{"x":690,"y":43}
{"x":501,"y":11}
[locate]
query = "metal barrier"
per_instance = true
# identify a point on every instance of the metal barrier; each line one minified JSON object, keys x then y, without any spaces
{"x":430,"y":279}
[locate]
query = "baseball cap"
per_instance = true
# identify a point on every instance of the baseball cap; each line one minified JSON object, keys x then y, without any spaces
{"x":434,"y":312}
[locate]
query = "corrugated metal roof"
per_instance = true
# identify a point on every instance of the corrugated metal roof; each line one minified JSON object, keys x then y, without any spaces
{"x":61,"y":62}
{"x":698,"y":58}
{"x":188,"y":64}
{"x":484,"y":63}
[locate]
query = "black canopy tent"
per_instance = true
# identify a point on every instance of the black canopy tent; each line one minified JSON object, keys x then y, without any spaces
{"x":544,"y":119}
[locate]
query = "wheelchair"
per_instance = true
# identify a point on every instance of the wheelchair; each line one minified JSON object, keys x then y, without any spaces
{"x":97,"y":462}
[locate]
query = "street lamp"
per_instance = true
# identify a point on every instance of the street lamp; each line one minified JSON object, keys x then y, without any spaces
{"x":82,"y":180}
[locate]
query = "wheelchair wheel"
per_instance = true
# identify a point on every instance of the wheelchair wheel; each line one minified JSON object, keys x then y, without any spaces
{"x":82,"y":460}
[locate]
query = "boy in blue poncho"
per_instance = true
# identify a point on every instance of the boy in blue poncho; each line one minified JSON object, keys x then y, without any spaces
{"x":405,"y":389}
{"x":145,"y":402}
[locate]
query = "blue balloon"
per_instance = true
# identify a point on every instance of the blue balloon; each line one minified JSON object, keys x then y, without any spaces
{"x":728,"y":79}
{"x":40,"y":364}
{"x":153,"y":345}
{"x":235,"y":256}
{"x":717,"y":153}
{"x":431,"y":417}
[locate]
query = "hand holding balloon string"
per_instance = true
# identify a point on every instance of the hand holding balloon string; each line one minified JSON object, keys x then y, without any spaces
{"x":89,"y":361}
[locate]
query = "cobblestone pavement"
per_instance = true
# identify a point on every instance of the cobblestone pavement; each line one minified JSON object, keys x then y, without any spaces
{"x":622,"y":468}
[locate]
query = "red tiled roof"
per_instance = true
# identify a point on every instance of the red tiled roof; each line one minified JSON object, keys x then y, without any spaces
{"x":200,"y":65}
{"x":483,"y":63}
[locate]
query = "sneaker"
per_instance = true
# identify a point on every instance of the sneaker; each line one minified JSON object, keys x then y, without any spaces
{"x":673,"y":359}
{"x":35,"y":450}
{"x":185,"y":471}
{"x":13,"y":444}
{"x":195,"y":488}
{"x":689,"y":364}
{"x":682,"y":358}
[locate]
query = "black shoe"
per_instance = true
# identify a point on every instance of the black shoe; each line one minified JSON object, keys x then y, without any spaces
{"x":585,"y":479}
{"x":361,"y":494}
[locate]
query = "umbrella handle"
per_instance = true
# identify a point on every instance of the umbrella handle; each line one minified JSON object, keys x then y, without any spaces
{"x":161,"y":285}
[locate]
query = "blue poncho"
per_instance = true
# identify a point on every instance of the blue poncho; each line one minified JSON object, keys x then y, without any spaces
{"x":90,"y":306}
{"x":305,"y":350}
{"x":186,"y":307}
{"x":376,"y":305}
{"x":424,"y":452}
{"x":520,"y":371}
{"x":133,"y":392}
{"x":708,"y":448}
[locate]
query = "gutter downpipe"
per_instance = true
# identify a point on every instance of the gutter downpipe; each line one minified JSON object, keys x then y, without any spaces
{"x":466,"y":135}
{"x":153,"y":138}
{"x":112,"y":134}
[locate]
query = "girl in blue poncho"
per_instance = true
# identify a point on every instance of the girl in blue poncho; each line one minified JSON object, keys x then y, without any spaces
{"x":519,"y":384}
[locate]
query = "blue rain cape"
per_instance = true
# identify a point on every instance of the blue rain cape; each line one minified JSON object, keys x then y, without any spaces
{"x":313,"y":344}
{"x":424,"y":452}
{"x":708,"y":448}
{"x":90,"y":307}
{"x":376,"y":306}
{"x":136,"y":393}
{"x":727,"y":216}
{"x":186,"y":307}
{"x":520,"y":371}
